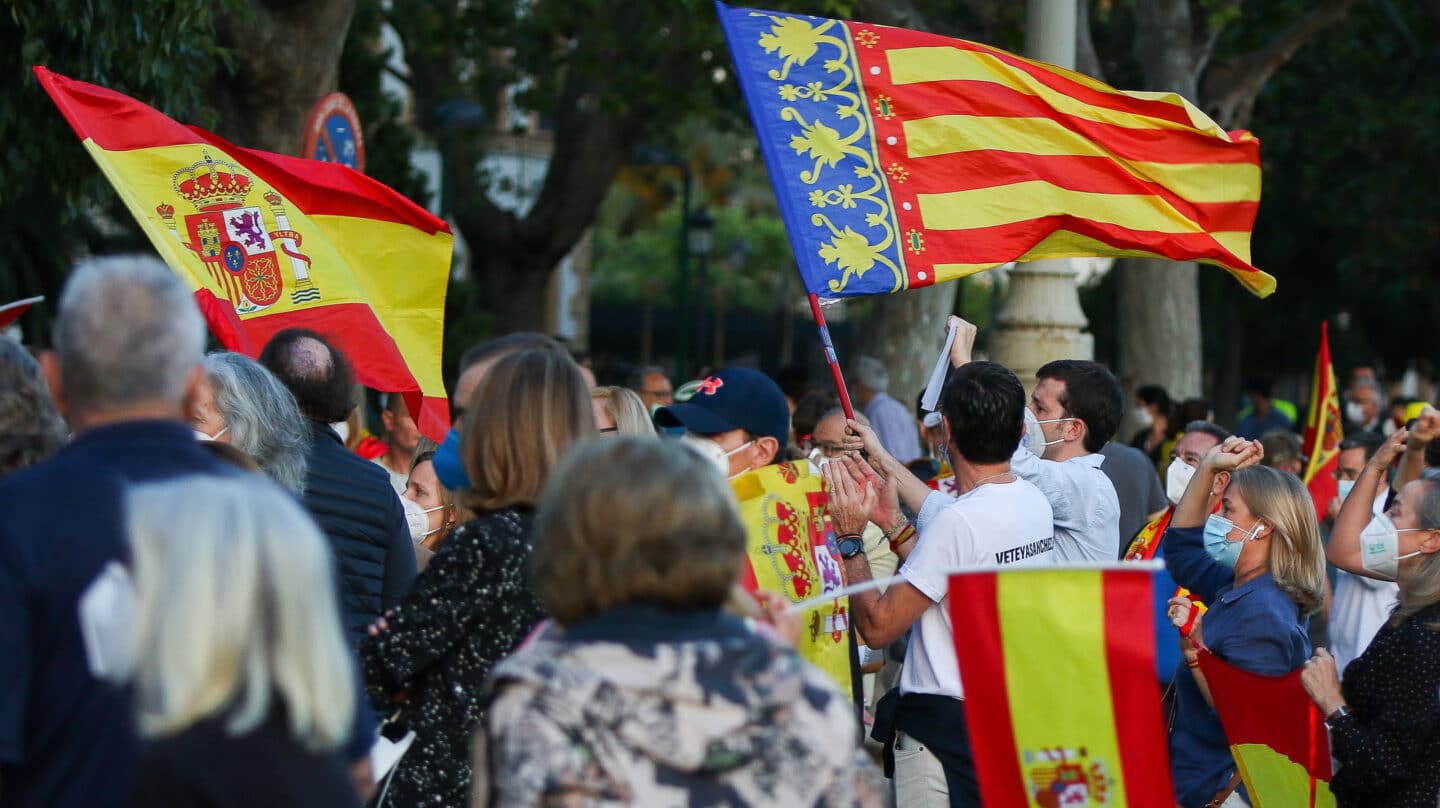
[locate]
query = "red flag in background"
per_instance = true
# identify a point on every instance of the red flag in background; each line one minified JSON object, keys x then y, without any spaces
{"x":1323,"y":430}
{"x":1276,"y":734}
{"x":10,"y":312}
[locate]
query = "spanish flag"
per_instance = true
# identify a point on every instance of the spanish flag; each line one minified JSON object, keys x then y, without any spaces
{"x":1323,"y":429}
{"x":902,"y":159}
{"x":1065,"y":707}
{"x":270,"y":242}
{"x":789,"y":549}
{"x":1276,"y":734}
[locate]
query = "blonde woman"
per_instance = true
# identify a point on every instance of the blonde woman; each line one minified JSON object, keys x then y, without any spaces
{"x":619,"y":411}
{"x":474,"y":603}
{"x":1385,"y":719}
{"x":429,"y":506}
{"x":244,"y":687}
{"x":1260,"y":566}
{"x":651,"y":694}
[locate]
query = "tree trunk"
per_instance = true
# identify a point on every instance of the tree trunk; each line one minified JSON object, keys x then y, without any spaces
{"x":1159,"y":301}
{"x":285,"y":60}
{"x":906,"y":332}
{"x":512,"y":289}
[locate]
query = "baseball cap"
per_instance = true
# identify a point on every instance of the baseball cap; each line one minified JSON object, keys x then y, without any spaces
{"x":734,"y":398}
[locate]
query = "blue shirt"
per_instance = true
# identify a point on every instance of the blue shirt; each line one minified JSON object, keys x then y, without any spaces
{"x":1255,"y":627}
{"x":895,"y":426}
{"x":1251,"y":427}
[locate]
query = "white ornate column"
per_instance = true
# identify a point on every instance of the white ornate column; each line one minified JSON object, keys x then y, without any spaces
{"x":1041,"y":318}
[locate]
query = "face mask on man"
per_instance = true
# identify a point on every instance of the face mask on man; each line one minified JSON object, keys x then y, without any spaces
{"x":1217,"y":540}
{"x":418,"y":518}
{"x":1144,"y":418}
{"x":206,"y":436}
{"x":1035,"y":435}
{"x":1343,"y":488}
{"x":1355,"y":412}
{"x":1177,"y":479}
{"x":713,"y":452}
{"x":1380,"y":546}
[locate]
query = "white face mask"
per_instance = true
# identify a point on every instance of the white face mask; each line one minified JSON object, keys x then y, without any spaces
{"x":1177,"y":479}
{"x":418,"y":519}
{"x":1355,"y":412}
{"x":817,"y":459}
{"x":1034,"y":435}
{"x":1144,"y":418}
{"x":713,"y":452}
{"x":1380,"y":546}
{"x":207,"y":436}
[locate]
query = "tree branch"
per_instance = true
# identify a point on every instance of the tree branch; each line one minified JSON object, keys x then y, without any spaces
{"x":1231,"y":86}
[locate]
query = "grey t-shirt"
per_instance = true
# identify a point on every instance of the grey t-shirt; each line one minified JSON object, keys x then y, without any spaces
{"x":1137,"y":485}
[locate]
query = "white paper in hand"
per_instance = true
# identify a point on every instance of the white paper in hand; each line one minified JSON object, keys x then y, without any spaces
{"x":385,"y":753}
{"x":937,"y":377}
{"x":107,"y":624}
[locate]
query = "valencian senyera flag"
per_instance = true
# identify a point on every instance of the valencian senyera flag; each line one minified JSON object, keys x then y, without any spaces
{"x":270,"y":242}
{"x":790,"y":549}
{"x":902,"y":159}
{"x":1067,"y":711}
{"x":1323,"y":429}
{"x":1276,"y":734}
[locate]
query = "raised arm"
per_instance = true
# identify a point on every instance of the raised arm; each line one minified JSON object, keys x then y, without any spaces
{"x":1357,"y":511}
{"x":1425,"y":429}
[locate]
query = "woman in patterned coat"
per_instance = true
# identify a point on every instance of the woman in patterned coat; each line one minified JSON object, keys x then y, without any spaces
{"x":645,"y":692}
{"x":473,"y":604}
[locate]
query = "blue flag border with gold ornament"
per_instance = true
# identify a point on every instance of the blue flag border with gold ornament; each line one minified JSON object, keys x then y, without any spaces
{"x":847,"y":242}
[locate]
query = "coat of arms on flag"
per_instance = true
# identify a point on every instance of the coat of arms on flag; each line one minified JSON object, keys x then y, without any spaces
{"x":234,"y":240}
{"x":790,"y":549}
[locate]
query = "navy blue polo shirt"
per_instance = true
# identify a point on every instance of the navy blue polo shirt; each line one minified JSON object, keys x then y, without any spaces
{"x":1255,"y":627}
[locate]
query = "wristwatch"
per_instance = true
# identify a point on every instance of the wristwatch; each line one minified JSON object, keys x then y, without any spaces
{"x":850,"y":546}
{"x":1334,"y":718}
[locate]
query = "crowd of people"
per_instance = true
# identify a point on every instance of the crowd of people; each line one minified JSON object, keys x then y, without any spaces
{"x":217,"y":589}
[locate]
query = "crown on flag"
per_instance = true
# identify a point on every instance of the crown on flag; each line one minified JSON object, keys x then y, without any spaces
{"x":210,"y":183}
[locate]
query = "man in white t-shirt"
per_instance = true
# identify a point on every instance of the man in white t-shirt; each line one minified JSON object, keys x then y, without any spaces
{"x":997,"y":520}
{"x":1360,"y":605}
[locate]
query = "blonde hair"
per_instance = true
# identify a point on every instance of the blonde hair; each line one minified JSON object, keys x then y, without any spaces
{"x":236,"y":611}
{"x":1297,"y":556}
{"x":658,"y":526}
{"x":1422,"y":582}
{"x":631,"y":417}
{"x":523,"y":415}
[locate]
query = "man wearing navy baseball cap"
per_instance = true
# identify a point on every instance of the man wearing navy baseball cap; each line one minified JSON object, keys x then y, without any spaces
{"x":738,"y":419}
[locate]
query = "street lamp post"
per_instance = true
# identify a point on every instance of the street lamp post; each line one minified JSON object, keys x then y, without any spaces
{"x":700,"y":242}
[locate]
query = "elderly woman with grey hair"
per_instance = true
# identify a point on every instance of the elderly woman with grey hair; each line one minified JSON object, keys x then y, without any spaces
{"x":30,"y":427}
{"x":243,"y":404}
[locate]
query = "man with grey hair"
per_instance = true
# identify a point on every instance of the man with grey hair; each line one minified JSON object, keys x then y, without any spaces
{"x":125,"y":370}
{"x":889,"y":418}
{"x":1364,"y":403}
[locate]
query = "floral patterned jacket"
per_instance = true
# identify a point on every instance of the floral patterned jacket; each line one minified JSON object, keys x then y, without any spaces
{"x":640,"y":706}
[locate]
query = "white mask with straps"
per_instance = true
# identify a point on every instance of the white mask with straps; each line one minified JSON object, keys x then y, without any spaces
{"x":714,"y":452}
{"x":418,"y":519}
{"x":208,"y":437}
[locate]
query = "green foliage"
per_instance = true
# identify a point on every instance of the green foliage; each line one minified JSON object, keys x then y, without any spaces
{"x":1347,"y":222}
{"x":388,"y":139}
{"x":162,"y":53}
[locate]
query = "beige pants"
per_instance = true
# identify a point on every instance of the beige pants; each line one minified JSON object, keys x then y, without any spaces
{"x":919,"y":778}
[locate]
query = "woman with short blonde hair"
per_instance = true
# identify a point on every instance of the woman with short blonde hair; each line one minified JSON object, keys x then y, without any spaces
{"x":240,"y":654}
{"x":474,"y":602}
{"x":618,"y":411}
{"x":1260,"y":566}
{"x":651,"y":694}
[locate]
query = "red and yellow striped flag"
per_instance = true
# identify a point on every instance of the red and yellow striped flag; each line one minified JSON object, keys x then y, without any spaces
{"x":1323,"y":429}
{"x":1065,"y":707}
{"x":902,"y":159}
{"x":1276,"y":734}
{"x":270,"y":242}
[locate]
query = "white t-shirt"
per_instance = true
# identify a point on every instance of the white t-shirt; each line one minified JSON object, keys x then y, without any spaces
{"x":1359,"y":608}
{"x":997,"y":524}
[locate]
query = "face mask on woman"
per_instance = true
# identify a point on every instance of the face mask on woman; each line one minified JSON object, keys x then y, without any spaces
{"x":207,"y":436}
{"x":1217,"y":540}
{"x":1380,"y":546}
{"x":418,"y":518}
